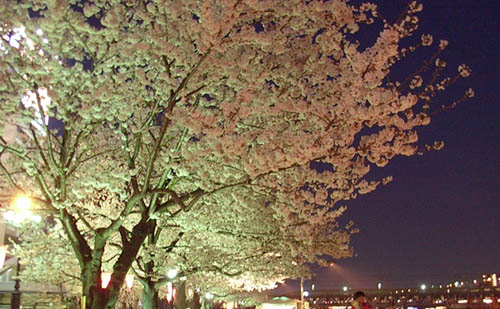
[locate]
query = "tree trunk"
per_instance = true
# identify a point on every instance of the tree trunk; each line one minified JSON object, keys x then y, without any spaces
{"x":195,"y":302}
{"x":206,"y":304}
{"x":94,"y":295}
{"x":180,"y":299}
{"x":97,"y":297}
{"x":90,"y":259}
{"x":150,"y":298}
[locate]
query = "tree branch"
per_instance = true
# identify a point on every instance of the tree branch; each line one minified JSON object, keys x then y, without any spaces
{"x":9,"y":178}
{"x":80,"y":246}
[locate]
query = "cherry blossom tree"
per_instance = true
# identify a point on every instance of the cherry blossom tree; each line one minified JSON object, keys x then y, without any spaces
{"x":233,"y":251}
{"x":132,"y":115}
{"x":224,"y":255}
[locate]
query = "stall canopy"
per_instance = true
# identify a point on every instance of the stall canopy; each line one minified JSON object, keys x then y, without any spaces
{"x":280,"y":303}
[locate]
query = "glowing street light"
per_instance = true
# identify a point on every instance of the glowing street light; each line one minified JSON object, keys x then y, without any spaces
{"x":487,"y":300}
{"x":423,"y":287}
{"x":22,"y":202}
{"x":21,"y":210}
{"x":379,"y":285}
{"x":345,"y":289}
{"x":172,"y":273}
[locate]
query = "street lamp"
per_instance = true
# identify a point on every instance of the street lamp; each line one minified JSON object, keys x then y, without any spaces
{"x":22,"y":204}
{"x":15,"y":300}
{"x":172,"y":273}
{"x":21,"y":210}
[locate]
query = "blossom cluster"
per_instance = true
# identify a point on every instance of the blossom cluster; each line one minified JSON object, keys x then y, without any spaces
{"x":243,"y":126}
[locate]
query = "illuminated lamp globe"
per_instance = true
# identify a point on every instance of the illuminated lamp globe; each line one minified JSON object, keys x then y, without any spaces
{"x":172,"y":273}
{"x":22,"y":202}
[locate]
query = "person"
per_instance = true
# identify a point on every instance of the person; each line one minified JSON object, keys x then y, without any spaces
{"x":359,"y":301}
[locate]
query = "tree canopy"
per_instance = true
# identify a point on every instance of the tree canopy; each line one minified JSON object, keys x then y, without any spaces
{"x":126,"y":118}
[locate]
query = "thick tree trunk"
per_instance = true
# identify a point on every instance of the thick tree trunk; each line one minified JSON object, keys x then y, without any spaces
{"x":180,"y":299}
{"x":150,"y":298}
{"x":96,"y":296}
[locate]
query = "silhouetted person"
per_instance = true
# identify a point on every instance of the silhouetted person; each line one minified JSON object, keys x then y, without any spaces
{"x":359,"y":301}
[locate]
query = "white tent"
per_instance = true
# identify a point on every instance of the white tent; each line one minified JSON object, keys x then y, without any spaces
{"x":281,"y":303}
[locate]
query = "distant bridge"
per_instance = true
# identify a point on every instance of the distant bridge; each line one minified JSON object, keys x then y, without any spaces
{"x":404,"y":298}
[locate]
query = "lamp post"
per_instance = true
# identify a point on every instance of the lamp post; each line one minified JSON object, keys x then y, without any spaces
{"x":21,"y":204}
{"x":15,"y":300}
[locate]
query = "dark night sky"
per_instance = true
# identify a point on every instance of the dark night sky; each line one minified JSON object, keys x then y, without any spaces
{"x":439,"y":220}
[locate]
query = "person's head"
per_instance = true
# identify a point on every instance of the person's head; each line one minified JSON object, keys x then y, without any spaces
{"x":360,"y":297}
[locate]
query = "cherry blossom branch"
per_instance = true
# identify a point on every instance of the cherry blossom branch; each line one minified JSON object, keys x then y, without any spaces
{"x":124,"y":235}
{"x":166,"y":121}
{"x":220,"y":270}
{"x":74,"y":148}
{"x":130,"y":160}
{"x":424,"y":67}
{"x":80,"y":246}
{"x":47,"y":131}
{"x":195,"y":195}
{"x":80,"y":161}
{"x":39,"y":178}
{"x":116,"y":223}
{"x":19,"y":153}
{"x":198,"y":193}
{"x":38,"y":146}
{"x":173,"y":243}
{"x":77,"y":34}
{"x":164,"y":177}
{"x":85,"y":222}
{"x":9,"y":178}
{"x":73,"y":277}
{"x":140,"y":278}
